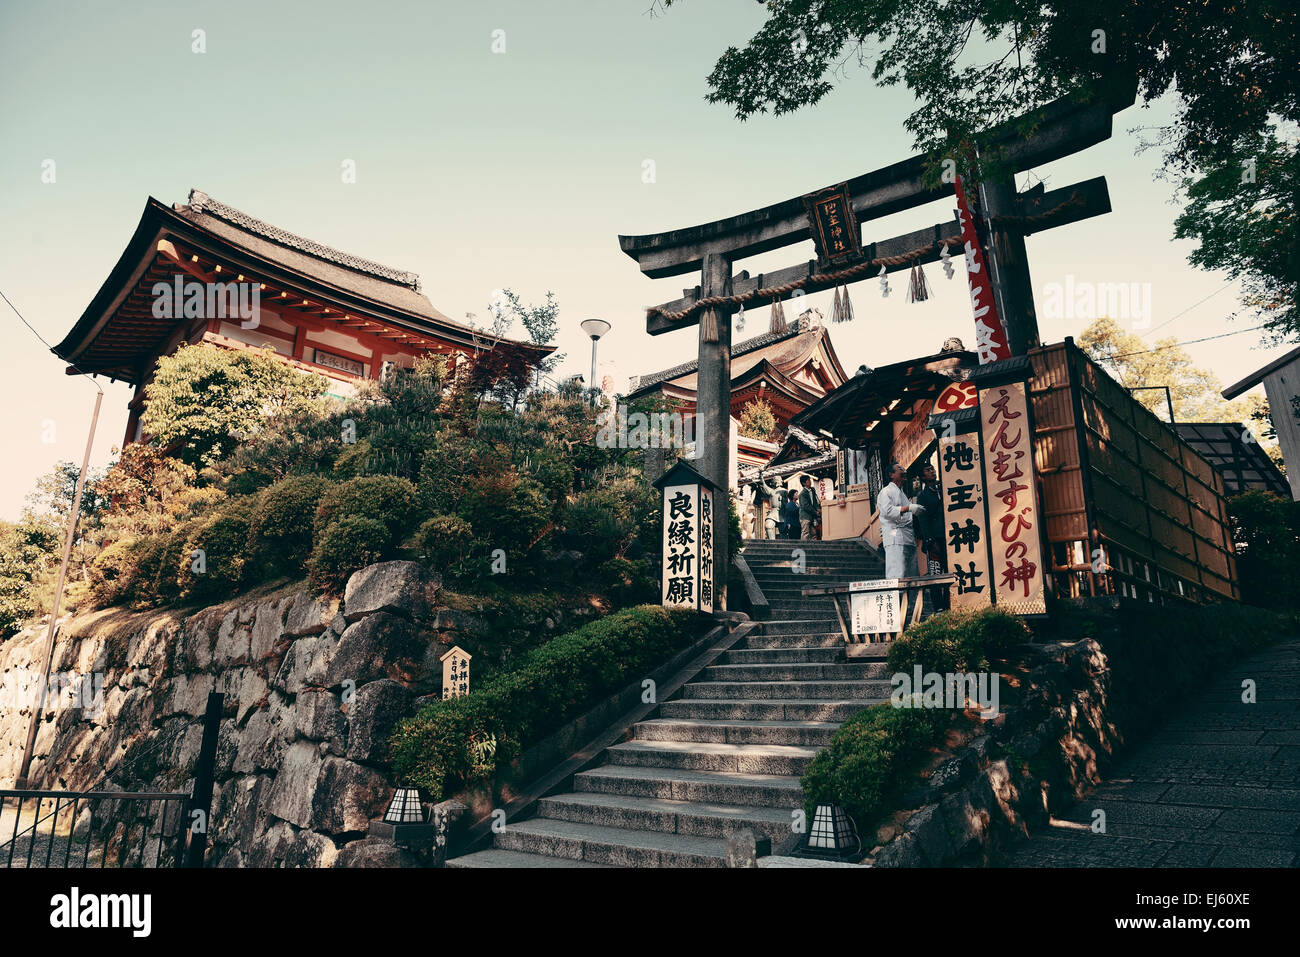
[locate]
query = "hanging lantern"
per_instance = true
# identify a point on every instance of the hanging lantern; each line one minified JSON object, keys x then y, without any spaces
{"x":405,"y":808}
{"x":946,"y":258}
{"x":832,"y":834}
{"x":918,"y":290}
{"x":884,"y":282}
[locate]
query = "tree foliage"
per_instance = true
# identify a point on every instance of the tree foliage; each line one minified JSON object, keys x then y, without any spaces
{"x":973,"y":66}
{"x":758,"y":421}
{"x":204,"y":400}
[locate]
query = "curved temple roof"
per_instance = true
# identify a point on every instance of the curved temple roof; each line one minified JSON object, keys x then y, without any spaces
{"x":117,"y":337}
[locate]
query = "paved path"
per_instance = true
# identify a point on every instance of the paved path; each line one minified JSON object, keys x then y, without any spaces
{"x":1218,"y":785}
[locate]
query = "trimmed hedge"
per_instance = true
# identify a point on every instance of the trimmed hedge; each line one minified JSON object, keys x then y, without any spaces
{"x":344,"y":546}
{"x":384,"y":498}
{"x":280,"y":534}
{"x":958,"y":640}
{"x":870,"y":756}
{"x":463,"y":741}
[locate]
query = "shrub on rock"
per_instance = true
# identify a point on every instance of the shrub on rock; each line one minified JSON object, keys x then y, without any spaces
{"x":344,"y":546}
{"x":382,"y":498}
{"x":280,"y":534}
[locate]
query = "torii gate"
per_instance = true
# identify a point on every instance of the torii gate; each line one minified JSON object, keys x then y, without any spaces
{"x":1058,"y":129}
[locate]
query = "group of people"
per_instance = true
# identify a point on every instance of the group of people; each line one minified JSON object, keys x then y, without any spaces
{"x":911,"y":530}
{"x":791,"y":515}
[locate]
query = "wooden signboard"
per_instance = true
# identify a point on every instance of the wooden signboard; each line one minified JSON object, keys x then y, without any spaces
{"x":914,"y":437}
{"x":688,"y":547}
{"x":455,"y":672}
{"x":1015,"y":542}
{"x":965,"y":523}
{"x":874,"y":607}
{"x":834,"y":226}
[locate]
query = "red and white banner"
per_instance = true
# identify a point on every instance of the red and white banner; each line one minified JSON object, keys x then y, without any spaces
{"x":990,"y":333}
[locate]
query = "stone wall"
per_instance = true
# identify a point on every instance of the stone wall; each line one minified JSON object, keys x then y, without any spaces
{"x":313,"y":687}
{"x":1078,"y":706}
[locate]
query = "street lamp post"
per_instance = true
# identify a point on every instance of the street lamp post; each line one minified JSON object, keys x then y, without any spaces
{"x":594,"y":328}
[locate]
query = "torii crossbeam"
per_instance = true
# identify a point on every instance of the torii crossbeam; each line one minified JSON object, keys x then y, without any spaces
{"x":1056,"y":130}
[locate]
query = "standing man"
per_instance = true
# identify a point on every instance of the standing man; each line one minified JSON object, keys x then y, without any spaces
{"x":930,"y":550}
{"x":896,"y":517}
{"x":810,"y":508}
{"x":790,"y":515}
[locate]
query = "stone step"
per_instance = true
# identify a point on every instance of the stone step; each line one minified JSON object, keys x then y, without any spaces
{"x":712,"y":756}
{"x":710,"y":787}
{"x":815,"y":734}
{"x":805,"y":690}
{"x":776,"y":709}
{"x":776,"y":656}
{"x":801,"y":671}
{"x":798,"y":626}
{"x":495,"y":857}
{"x":611,"y":845}
{"x":694,"y":819}
{"x":852,"y":571}
{"x":791,"y":640}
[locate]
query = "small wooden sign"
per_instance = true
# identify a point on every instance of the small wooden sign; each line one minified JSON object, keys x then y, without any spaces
{"x":833,"y":224}
{"x":874,"y":607}
{"x":455,"y":672}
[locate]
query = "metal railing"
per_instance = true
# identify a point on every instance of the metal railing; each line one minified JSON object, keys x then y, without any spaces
{"x":121,"y":828}
{"x":70,"y":828}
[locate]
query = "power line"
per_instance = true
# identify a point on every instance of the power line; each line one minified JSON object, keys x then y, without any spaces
{"x":42,"y":339}
{"x":1189,"y":308}
{"x":1176,"y":345}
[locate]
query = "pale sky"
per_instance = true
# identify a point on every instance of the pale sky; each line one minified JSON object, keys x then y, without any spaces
{"x":478,"y":170}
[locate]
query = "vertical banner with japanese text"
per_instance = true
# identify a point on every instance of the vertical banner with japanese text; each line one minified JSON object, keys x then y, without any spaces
{"x":1014,"y":535}
{"x":991,"y":344}
{"x":688,"y":547}
{"x":965,"y":523}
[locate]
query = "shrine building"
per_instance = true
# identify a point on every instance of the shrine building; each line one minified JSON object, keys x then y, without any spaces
{"x":203,"y":271}
{"x":790,"y":369}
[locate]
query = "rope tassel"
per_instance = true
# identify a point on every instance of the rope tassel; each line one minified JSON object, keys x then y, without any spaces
{"x":918,"y":290}
{"x":778,"y":317}
{"x":709,"y":326}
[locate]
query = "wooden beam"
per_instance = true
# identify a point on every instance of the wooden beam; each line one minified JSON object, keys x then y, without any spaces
{"x":1060,"y":128}
{"x":1039,"y":211}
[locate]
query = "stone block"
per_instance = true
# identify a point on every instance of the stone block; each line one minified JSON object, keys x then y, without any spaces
{"x":378,"y":646}
{"x":295,"y":786}
{"x":347,"y":796}
{"x":372,"y":716}
{"x":406,"y":589}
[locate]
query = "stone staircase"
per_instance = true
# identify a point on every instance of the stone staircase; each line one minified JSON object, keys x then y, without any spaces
{"x":726,"y":753}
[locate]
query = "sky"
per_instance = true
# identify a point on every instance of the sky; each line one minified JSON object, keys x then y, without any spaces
{"x":481,"y":169}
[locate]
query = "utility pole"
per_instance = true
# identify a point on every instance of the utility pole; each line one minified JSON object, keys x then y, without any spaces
{"x":48,"y":656}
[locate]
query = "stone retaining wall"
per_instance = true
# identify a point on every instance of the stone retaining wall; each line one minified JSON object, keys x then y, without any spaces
{"x":313,"y":687}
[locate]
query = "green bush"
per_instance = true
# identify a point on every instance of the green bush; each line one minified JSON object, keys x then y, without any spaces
{"x":115,"y":572}
{"x":280,"y":533}
{"x":463,"y":741}
{"x":384,"y":498}
{"x":223,"y":538}
{"x":870,"y":756}
{"x":446,"y":542}
{"x":351,"y":543}
{"x":958,"y":640}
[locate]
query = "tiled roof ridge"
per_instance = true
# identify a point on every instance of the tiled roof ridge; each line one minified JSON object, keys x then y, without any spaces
{"x":201,"y":202}
{"x":744,"y":347}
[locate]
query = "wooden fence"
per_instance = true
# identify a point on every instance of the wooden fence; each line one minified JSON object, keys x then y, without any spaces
{"x":1115,"y":478}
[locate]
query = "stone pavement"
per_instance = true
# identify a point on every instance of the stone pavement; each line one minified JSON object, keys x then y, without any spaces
{"x":1217,"y":786}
